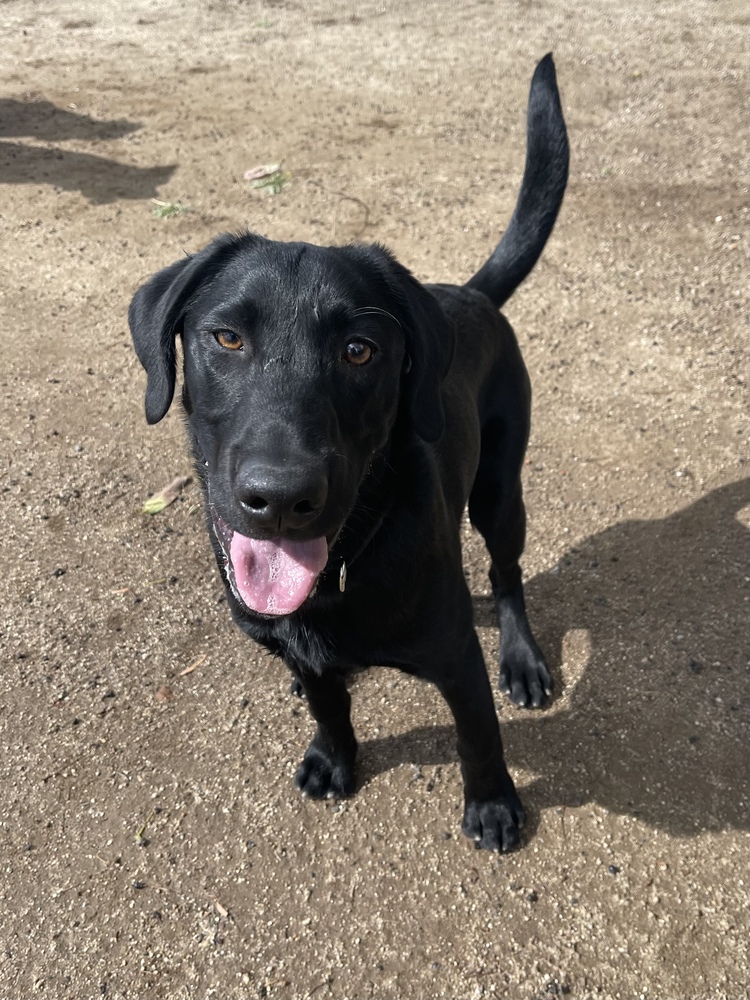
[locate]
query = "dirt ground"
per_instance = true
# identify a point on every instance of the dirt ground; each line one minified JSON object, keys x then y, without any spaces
{"x":151,"y":842}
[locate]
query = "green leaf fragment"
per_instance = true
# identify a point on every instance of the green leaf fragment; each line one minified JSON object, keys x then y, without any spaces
{"x":156,"y":503}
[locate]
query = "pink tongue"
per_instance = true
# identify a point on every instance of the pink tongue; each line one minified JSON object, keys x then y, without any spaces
{"x":275,"y":577}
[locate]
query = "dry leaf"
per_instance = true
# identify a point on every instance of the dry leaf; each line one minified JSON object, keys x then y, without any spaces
{"x":262,"y":170}
{"x":192,"y":667}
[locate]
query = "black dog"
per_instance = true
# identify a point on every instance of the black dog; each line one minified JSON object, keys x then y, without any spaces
{"x":341,"y":414}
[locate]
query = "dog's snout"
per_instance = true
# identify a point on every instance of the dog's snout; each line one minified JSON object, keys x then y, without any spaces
{"x":275,"y":498}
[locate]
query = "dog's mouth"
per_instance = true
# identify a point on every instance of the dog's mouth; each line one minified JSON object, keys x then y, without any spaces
{"x":270,"y":576}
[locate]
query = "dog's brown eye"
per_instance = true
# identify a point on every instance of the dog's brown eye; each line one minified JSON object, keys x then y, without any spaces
{"x":357,"y":352}
{"x":225,"y":338}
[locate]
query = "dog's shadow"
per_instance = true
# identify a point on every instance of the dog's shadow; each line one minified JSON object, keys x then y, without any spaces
{"x":98,"y":178}
{"x":656,"y":724}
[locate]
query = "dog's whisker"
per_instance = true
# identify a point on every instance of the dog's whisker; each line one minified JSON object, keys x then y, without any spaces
{"x":346,"y":458}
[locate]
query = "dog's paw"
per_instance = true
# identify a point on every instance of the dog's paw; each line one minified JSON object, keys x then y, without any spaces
{"x":296,"y":689}
{"x":494,"y":824}
{"x":524,"y":677}
{"x":324,"y":777}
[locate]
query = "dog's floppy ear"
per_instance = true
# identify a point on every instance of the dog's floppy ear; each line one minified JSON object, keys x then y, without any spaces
{"x":430,"y":342}
{"x":429,"y":334}
{"x":155,"y":318}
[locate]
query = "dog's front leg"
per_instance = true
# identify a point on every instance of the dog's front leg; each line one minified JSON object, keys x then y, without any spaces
{"x":327,"y":769}
{"x":493,"y":814}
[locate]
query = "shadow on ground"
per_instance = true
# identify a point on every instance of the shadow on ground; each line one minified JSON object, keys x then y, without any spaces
{"x":45,"y":120}
{"x":656,"y":725}
{"x":98,"y":178}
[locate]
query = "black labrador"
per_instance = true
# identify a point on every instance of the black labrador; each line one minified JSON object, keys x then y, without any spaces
{"x":341,"y":415}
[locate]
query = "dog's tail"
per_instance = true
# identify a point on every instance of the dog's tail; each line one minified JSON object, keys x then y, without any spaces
{"x":544,"y":179}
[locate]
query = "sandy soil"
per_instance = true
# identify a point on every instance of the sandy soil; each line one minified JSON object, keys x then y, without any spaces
{"x":152,"y":845}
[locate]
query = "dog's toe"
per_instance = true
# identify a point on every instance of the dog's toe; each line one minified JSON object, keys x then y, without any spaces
{"x":322,"y":777}
{"x":526,"y":679}
{"x":495,"y":824}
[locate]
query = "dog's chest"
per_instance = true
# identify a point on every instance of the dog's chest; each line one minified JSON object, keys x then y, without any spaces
{"x":301,"y":644}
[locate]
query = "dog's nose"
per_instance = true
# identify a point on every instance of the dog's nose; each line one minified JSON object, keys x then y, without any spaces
{"x":276,"y":498}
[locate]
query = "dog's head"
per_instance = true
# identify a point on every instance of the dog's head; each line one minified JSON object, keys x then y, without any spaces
{"x":298,"y":360}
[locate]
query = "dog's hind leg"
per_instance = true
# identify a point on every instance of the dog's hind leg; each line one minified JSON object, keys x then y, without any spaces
{"x":327,"y":769}
{"x":497,"y":511}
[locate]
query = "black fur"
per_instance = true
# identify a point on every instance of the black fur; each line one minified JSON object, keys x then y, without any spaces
{"x":391,"y":451}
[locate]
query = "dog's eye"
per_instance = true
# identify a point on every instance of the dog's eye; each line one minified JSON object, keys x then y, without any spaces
{"x":225,"y":338}
{"x":357,"y":352}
